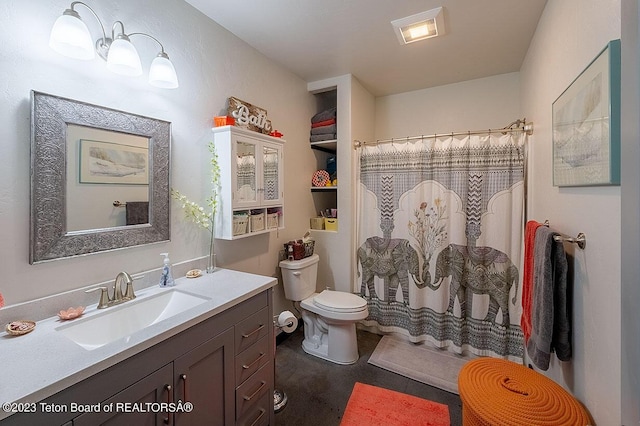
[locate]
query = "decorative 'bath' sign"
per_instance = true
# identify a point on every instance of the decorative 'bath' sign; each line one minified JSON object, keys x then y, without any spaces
{"x":249,"y":116}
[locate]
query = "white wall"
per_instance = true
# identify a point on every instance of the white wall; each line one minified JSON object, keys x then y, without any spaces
{"x":484,"y":103}
{"x":569,"y":35}
{"x":212,"y":64}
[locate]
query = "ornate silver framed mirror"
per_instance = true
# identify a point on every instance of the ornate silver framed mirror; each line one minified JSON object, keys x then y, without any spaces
{"x":87,"y":162}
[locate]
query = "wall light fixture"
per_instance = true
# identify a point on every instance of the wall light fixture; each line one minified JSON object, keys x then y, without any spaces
{"x":71,"y":37}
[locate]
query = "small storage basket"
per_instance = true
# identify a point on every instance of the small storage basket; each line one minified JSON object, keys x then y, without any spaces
{"x":299,"y":250}
{"x":308,"y":248}
{"x":257,"y":222}
{"x":240,"y":223}
{"x":272,"y":220}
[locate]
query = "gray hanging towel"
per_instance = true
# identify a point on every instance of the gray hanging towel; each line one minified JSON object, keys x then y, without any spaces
{"x":137,"y":212}
{"x":550,"y":316}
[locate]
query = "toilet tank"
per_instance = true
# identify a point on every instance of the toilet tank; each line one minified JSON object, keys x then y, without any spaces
{"x":299,"y":277}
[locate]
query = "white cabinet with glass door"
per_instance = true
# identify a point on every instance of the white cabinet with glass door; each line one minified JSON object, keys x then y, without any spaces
{"x":251,"y":178}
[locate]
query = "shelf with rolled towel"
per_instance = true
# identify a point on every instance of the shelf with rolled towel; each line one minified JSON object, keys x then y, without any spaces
{"x":580,"y":240}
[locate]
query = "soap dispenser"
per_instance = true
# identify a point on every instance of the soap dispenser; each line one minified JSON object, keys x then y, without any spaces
{"x":166,"y":280}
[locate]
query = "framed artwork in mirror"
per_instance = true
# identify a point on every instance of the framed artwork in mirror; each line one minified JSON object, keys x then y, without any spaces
{"x":57,"y":128}
{"x":113,"y":163}
{"x":586,"y":125}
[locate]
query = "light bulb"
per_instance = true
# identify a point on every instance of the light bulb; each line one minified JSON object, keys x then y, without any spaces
{"x":70,"y":37}
{"x":123,"y":57}
{"x":162,"y":73}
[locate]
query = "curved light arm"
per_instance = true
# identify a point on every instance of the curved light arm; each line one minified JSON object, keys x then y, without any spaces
{"x":73,"y":12}
{"x":151,"y":37}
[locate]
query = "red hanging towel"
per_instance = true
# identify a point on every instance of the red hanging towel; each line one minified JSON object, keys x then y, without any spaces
{"x":527,"y":277}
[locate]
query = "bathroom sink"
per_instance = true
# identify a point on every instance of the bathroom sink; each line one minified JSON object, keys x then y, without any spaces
{"x":123,"y":320}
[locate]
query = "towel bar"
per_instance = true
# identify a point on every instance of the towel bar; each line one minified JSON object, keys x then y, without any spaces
{"x":580,"y":239}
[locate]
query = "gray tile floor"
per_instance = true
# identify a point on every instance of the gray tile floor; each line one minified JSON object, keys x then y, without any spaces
{"x":318,"y":390}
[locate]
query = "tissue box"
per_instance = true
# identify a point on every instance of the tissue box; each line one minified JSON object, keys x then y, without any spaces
{"x":330,"y":224}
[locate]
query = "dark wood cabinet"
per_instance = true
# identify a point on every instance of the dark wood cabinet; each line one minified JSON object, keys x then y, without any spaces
{"x":204,"y":378}
{"x":222,"y":366}
{"x":136,"y":405}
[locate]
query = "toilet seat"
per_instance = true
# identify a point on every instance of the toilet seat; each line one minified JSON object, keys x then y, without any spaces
{"x":339,"y":301}
{"x":341,"y":307}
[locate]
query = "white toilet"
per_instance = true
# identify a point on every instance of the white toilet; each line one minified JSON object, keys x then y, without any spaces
{"x":329,"y":317}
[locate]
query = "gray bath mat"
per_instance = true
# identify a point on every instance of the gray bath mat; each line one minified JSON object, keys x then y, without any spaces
{"x":419,"y":361}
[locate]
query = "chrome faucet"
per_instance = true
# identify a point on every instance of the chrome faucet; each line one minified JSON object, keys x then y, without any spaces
{"x":106,"y":300}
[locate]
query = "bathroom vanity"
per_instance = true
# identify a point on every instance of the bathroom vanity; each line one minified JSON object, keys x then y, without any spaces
{"x":211,"y":364}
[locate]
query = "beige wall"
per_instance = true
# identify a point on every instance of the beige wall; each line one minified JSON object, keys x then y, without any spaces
{"x":569,"y":35}
{"x":212,"y":65}
{"x":485,"y":103}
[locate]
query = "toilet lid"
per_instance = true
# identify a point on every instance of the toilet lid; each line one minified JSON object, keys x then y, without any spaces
{"x":339,"y":301}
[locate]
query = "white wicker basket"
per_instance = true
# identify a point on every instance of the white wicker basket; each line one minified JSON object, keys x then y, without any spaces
{"x":257,"y":222}
{"x":272,"y":220}
{"x":240,"y":223}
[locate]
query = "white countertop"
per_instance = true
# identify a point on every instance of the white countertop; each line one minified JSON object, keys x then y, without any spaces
{"x":43,"y":362}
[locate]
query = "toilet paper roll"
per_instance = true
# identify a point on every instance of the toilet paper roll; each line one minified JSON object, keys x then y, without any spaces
{"x":287,"y":322}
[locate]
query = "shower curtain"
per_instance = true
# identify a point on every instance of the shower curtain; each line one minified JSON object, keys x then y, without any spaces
{"x":440,"y":231}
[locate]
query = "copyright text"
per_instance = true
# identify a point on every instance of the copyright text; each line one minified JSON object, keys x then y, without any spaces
{"x":110,"y":407}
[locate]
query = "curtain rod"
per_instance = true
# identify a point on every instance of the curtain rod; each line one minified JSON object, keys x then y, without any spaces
{"x":521,"y":125}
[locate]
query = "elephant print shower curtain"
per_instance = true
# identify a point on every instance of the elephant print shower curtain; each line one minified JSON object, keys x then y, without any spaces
{"x":440,"y":231}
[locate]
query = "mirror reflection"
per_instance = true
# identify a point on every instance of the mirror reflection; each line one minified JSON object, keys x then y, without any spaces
{"x":107,"y":179}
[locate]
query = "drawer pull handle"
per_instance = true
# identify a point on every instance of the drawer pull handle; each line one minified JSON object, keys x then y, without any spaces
{"x":249,"y":398}
{"x":254,"y":331}
{"x":168,"y":388}
{"x":246,"y":367}
{"x":255,"y":422}
{"x":183,"y":377}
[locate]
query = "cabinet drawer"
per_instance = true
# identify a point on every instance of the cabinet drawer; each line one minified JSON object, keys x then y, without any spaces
{"x":252,"y":329}
{"x":251,"y":359}
{"x":258,"y":414}
{"x":252,"y":390}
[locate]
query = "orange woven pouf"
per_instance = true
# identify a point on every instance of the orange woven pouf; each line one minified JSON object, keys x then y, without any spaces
{"x":499,"y":392}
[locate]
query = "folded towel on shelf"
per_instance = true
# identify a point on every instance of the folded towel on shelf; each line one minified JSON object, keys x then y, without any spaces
{"x":527,"y":277}
{"x":324,"y":115}
{"x":324,"y":129}
{"x":323,"y":123}
{"x":324,"y":137}
{"x":550,"y":319}
{"x":137,"y":212}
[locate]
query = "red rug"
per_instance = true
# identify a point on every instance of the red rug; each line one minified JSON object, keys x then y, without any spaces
{"x":371,"y":405}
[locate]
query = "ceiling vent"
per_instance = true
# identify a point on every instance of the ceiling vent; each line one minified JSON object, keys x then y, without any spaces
{"x":419,"y":26}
